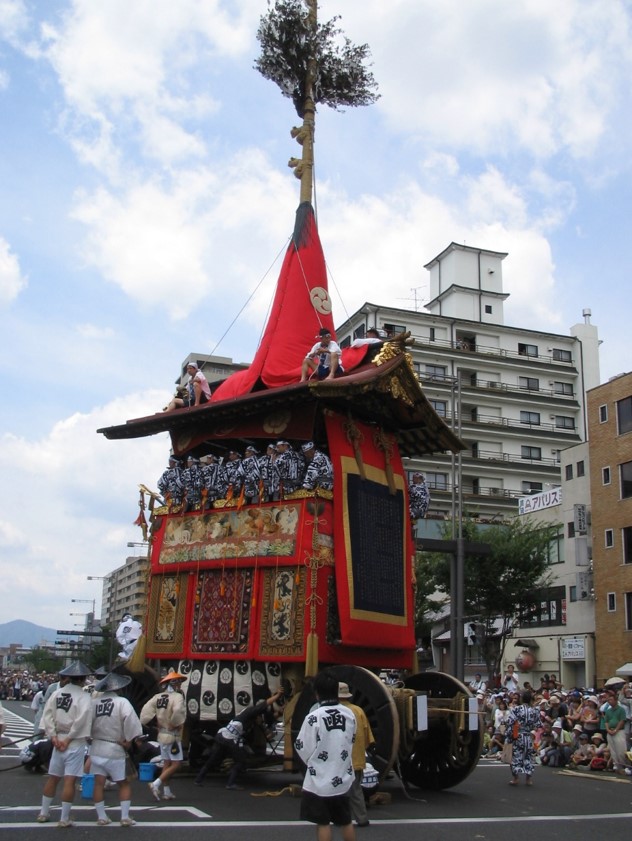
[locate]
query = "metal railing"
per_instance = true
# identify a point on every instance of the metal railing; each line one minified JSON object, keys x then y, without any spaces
{"x":465,"y":346}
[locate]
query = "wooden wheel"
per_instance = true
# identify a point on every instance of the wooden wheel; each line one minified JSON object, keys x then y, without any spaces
{"x":373,"y":696}
{"x":144,"y":685}
{"x":444,"y":755}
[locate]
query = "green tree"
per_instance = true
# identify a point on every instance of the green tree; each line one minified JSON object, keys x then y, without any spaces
{"x":499,"y":587}
{"x":291,"y":38}
{"x":43,"y":660}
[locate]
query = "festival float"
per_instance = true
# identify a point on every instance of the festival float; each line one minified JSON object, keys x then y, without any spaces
{"x":244,"y":598}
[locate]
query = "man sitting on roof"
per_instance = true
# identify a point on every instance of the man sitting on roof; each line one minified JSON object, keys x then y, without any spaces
{"x":198,"y":390}
{"x":324,"y":358}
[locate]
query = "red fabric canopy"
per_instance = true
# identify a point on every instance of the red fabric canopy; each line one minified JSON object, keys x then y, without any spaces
{"x":301,"y":307}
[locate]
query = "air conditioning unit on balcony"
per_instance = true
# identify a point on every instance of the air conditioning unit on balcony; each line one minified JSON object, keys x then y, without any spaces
{"x":494,"y":491}
{"x":493,"y":384}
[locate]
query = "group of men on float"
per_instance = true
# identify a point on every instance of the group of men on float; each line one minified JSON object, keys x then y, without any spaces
{"x":261,"y":478}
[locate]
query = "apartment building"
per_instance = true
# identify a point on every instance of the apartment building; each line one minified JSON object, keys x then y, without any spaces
{"x":125,"y":591}
{"x":516,"y":395}
{"x":610,"y":432}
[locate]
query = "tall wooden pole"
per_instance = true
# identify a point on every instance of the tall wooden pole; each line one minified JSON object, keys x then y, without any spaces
{"x":304,"y":168}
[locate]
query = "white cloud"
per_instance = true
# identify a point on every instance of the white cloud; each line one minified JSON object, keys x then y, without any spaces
{"x":73,"y":502}
{"x":92,"y":331}
{"x":12,"y":281}
{"x":490,"y":76}
{"x":13,"y":19}
{"x":140,"y":75}
{"x":173,"y":245}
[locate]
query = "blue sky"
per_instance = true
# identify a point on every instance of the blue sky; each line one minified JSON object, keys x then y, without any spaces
{"x":145,"y":194}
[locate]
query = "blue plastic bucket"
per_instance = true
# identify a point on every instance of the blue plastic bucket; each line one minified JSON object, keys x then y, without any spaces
{"x":87,"y":786}
{"x":146,"y":772}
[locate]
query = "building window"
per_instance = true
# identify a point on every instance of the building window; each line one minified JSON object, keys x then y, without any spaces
{"x":563,"y":388}
{"x":436,"y":371}
{"x":605,"y":476}
{"x":581,"y":469}
{"x":564,"y":422}
{"x":628,"y":611}
{"x":531,"y":487}
{"x":393,"y":329}
{"x":626,"y":479}
{"x":358,"y":333}
{"x":570,"y":529}
{"x":437,"y":481}
{"x":488,"y":309}
{"x":529,"y":383}
{"x":560,"y":355}
{"x":568,"y":472}
{"x":532,"y":418}
{"x":612,"y":602}
{"x":546,"y":607}
{"x":433,"y":335}
{"x":572,"y":593}
{"x":603,"y":414}
{"x":624,"y":415}
{"x":555,"y":550}
{"x":531,"y":453}
{"x":440,"y":407}
{"x":345,"y":342}
{"x":608,"y":538}
{"x":527,"y":350}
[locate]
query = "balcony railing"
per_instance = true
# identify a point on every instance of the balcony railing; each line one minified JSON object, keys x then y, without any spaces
{"x":514,"y":423}
{"x":467,"y":347}
{"x":489,"y":385}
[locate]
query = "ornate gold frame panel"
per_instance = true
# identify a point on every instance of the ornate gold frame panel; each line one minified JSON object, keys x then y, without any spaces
{"x":380,"y":540}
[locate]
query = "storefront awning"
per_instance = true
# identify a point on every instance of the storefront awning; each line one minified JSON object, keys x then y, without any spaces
{"x":625,"y":669}
{"x":527,"y":643}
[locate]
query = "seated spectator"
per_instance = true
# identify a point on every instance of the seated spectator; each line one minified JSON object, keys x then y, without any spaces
{"x":323,"y":358}
{"x":583,"y":753}
{"x":198,"y":390}
{"x":487,"y":738}
{"x":601,"y":755}
{"x":497,"y":744}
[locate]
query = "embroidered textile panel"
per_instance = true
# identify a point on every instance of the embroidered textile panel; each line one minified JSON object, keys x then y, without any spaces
{"x":282,"y":629}
{"x":265,"y":531}
{"x":221,"y":615}
{"x":167,"y":613}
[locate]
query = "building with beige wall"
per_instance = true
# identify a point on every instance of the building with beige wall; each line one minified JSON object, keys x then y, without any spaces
{"x":610,"y":434}
{"x":559,"y":632}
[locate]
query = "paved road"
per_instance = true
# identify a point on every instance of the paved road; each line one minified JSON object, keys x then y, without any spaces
{"x":483,"y":808}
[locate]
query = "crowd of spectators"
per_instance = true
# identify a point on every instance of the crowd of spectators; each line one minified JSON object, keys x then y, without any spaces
{"x":578,"y":728}
{"x":21,"y":685}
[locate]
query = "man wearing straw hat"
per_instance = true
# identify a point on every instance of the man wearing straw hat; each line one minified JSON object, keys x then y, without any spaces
{"x":114,"y":726}
{"x":169,"y":710}
{"x":67,"y":721}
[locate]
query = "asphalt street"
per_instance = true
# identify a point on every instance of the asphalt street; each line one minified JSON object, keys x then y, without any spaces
{"x":483,"y":807}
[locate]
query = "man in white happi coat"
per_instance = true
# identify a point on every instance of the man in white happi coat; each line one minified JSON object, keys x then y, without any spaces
{"x":169,"y":709}
{"x":325,"y":744}
{"x":114,"y":726}
{"x":128,"y":633}
{"x":67,"y":721}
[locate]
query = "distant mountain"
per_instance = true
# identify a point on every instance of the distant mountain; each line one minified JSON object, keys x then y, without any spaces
{"x":26,"y":633}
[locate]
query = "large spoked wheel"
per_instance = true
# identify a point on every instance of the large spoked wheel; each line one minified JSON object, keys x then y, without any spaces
{"x":373,"y":696}
{"x":445,"y":754}
{"x":144,"y":685}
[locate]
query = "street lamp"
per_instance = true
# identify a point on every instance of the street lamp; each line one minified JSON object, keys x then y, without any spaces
{"x":112,"y":578}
